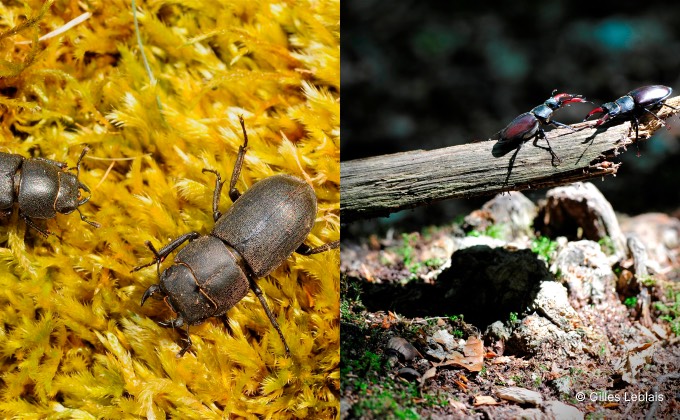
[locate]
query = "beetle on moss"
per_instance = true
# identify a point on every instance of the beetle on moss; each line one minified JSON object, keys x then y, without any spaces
{"x":212,"y":273}
{"x":41,"y":188}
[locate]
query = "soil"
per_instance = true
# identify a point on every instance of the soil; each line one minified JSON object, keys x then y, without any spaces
{"x":486,"y":319}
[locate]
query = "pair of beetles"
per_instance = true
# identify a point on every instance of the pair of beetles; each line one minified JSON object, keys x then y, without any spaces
{"x":213,"y":272}
{"x":262,"y":228}
{"x":631,"y":106}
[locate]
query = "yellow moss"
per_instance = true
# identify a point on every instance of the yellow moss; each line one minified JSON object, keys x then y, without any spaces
{"x":75,"y":342}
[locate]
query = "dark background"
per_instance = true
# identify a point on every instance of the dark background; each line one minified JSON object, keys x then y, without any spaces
{"x":430,"y":74}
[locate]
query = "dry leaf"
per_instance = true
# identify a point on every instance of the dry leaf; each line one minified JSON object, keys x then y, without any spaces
{"x":634,"y":360}
{"x":473,"y":360}
{"x":430,"y":373}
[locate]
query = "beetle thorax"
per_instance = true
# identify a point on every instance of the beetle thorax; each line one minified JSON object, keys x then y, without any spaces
{"x":542,"y":113}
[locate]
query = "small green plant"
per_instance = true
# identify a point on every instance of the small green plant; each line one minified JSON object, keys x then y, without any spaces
{"x":455,"y":318}
{"x":458,"y":320}
{"x":671,"y":311}
{"x":459,"y":219}
{"x":630,"y":301}
{"x":409,"y":256}
{"x":408,"y":253}
{"x":647,"y":281}
{"x":493,"y":231}
{"x":544,"y":247}
{"x":513,"y":317}
{"x":350,"y":300}
{"x":368,"y":364}
{"x":607,"y":245}
{"x":395,"y":400}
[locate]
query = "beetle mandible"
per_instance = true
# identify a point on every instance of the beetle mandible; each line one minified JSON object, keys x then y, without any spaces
{"x":262,"y":228}
{"x":527,"y":126}
{"x":634,"y":105}
{"x":41,"y":188}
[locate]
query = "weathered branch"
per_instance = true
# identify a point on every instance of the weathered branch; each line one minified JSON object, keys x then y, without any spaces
{"x":381,"y":185}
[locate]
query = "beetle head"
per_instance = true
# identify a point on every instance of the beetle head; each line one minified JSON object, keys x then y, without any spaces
{"x":69,"y":196}
{"x":561,"y":99}
{"x":610,"y":110}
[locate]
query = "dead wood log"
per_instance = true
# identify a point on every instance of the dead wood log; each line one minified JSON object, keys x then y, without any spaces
{"x":378,"y":186}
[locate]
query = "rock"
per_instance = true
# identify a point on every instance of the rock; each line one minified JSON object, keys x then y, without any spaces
{"x":512,"y":213}
{"x":399,"y":348}
{"x":552,"y":302}
{"x":536,"y":333}
{"x":471,"y":241}
{"x":445,"y":339}
{"x":659,"y":233}
{"x":587,"y":273}
{"x":497,"y":331}
{"x":561,"y":411}
{"x":520,"y":395}
{"x":409,"y":374}
{"x":580,"y":211}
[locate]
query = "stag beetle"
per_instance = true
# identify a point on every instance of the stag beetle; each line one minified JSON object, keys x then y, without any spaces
{"x":41,"y":187}
{"x":527,"y":126}
{"x":633,"y":105}
{"x":212,"y":273}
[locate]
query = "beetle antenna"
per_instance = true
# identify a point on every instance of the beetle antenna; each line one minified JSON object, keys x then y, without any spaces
{"x":85,"y":219}
{"x":80,"y":159}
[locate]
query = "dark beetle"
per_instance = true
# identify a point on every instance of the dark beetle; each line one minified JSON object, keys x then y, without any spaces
{"x":258,"y":232}
{"x":634,"y":105}
{"x":527,"y":126}
{"x":41,"y":188}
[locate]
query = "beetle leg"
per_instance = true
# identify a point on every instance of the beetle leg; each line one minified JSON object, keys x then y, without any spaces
{"x":165,"y":251}
{"x":554,"y":157}
{"x":560,"y":125}
{"x":216,"y":193}
{"x":670,"y":106}
{"x":258,"y":292}
{"x":306,"y":250}
{"x":46,"y":233}
{"x":636,"y":124}
{"x":511,"y":163}
{"x":188,"y":344}
{"x":178,"y":323}
{"x":172,"y":323}
{"x":234,"y":194}
{"x":663,"y":123}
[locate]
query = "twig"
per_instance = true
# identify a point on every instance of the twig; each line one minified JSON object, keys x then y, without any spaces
{"x":381,"y":185}
{"x":60,"y":30}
